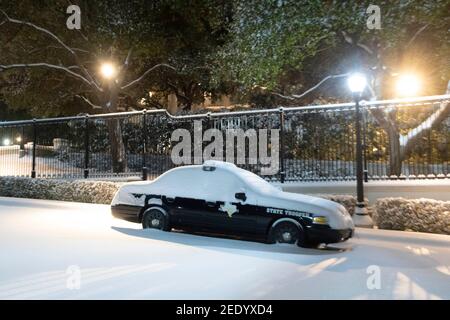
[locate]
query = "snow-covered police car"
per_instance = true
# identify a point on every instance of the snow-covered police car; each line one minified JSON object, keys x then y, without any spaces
{"x":220,"y":197}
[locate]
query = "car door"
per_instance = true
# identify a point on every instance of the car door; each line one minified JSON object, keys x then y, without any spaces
{"x":183,"y":192}
{"x":225,"y":212}
{"x":254,"y":217}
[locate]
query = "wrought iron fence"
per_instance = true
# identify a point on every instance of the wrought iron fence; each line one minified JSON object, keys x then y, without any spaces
{"x":316,"y":142}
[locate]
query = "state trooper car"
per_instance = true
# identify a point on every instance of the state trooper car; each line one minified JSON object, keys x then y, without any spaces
{"x":219,"y":197}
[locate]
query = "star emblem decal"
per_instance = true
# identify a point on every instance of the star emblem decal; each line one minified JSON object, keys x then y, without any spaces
{"x":229,"y":208}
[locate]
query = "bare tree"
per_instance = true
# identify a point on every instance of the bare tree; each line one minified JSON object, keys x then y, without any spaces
{"x":106,"y":93}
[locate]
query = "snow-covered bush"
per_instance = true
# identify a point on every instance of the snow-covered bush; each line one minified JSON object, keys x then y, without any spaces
{"x":422,"y":215}
{"x":66,"y":190}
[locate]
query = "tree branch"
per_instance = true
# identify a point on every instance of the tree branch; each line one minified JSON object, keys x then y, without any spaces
{"x":45,"y":65}
{"x":134,"y":82}
{"x":57,"y":39}
{"x":94,"y":106}
{"x":124,"y":67}
{"x":52,"y":35}
{"x":56,"y":47}
{"x":416,"y":35}
{"x":298,"y":96}
{"x":350,"y":40}
{"x":408,"y":140}
{"x":175,"y":88}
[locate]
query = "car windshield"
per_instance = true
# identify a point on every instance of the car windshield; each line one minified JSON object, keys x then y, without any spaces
{"x":256,"y":182}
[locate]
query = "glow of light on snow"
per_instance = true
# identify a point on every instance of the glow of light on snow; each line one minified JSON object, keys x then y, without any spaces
{"x":408,"y":85}
{"x":322,"y":266}
{"x":107,"y":70}
{"x":420,"y":251}
{"x":443,"y":269}
{"x":405,"y":288}
{"x":357,"y":82}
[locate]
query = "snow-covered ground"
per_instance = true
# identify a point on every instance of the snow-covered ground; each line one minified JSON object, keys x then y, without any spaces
{"x":46,"y":245}
{"x":12,"y":165}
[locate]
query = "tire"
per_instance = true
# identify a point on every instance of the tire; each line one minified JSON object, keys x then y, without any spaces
{"x":287,"y":232}
{"x":155,"y":218}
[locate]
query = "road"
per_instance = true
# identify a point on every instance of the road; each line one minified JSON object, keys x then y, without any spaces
{"x":62,"y":250}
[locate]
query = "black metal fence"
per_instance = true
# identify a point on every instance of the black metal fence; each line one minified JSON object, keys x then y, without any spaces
{"x":315,"y":142}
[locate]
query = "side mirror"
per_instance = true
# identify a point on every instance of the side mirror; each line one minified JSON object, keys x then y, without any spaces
{"x":240,"y":196}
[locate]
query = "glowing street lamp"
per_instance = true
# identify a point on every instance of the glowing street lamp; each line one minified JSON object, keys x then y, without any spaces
{"x":107,"y":70}
{"x":407,"y":85}
{"x":357,"y":83}
{"x":6,"y":142}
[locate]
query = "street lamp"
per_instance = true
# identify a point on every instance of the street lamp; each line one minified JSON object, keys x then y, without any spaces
{"x":107,"y":70}
{"x":357,"y":83}
{"x":407,"y":85}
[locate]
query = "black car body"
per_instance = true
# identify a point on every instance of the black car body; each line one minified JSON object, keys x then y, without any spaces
{"x":218,"y":197}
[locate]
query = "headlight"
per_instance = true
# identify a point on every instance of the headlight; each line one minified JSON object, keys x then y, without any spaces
{"x":320,"y":220}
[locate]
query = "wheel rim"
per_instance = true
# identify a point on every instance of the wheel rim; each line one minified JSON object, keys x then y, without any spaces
{"x":287,"y":234}
{"x":155,"y":223}
{"x":155,"y":220}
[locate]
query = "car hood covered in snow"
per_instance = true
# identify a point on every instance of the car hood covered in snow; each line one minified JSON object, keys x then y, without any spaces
{"x":338,"y":216}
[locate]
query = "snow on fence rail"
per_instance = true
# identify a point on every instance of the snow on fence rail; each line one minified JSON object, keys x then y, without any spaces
{"x":316,"y":142}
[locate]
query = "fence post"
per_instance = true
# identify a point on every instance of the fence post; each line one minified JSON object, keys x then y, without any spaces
{"x":144,"y":145}
{"x":33,"y":163}
{"x":282,"y":172}
{"x":22,"y":143}
{"x":366,"y":172}
{"x":86,"y":146}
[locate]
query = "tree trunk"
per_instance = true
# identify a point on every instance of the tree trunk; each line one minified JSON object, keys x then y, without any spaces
{"x":395,"y":154}
{"x":118,"y":154}
{"x":387,"y":123}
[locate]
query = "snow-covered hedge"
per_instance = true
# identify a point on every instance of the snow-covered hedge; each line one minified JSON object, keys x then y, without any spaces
{"x":65,"y":190}
{"x":422,"y":215}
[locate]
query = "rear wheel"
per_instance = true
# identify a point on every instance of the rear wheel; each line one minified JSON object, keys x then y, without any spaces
{"x":155,"y":219}
{"x":286,"y":232}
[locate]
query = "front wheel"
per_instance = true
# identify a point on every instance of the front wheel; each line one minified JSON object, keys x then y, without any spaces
{"x":155,"y":219}
{"x":287,"y":232}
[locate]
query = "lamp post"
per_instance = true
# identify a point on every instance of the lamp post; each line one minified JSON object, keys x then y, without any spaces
{"x":357,"y":83}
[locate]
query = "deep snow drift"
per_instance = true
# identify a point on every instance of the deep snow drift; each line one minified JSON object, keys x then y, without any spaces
{"x":43,"y":242}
